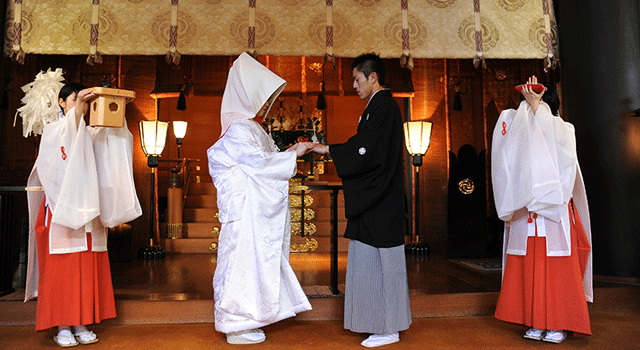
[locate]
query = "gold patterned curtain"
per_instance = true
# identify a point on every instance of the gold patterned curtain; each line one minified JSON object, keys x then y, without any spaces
{"x":436,"y":28}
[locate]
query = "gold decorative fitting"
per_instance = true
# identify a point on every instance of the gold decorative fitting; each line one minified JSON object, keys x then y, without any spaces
{"x":466,"y":186}
{"x":213,"y":246}
{"x":309,"y":214}
{"x":215,"y":230}
{"x":304,"y":245}
{"x":217,"y":216}
{"x":296,"y":202}
{"x":309,"y":229}
{"x":297,"y":189}
{"x":174,"y":231}
{"x":501,"y":75}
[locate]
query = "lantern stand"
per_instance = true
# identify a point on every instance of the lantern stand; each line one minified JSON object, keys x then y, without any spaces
{"x":417,"y":138}
{"x":153,"y":136}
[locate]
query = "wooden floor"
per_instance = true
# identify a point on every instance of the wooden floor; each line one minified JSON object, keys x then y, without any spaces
{"x":167,"y":304}
{"x":612,"y":329}
{"x":189,"y":276}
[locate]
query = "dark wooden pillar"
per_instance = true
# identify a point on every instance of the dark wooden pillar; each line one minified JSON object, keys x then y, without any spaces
{"x":600,"y":57}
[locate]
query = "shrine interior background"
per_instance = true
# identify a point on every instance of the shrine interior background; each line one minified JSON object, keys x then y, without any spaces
{"x":597,"y":81}
{"x":433,"y":85}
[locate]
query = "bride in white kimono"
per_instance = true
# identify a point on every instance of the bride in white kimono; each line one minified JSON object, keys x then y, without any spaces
{"x":254,"y":284}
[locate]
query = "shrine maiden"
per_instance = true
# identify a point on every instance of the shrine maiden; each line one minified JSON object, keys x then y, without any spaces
{"x":87,"y":177}
{"x":539,"y":193}
{"x":254,"y":284}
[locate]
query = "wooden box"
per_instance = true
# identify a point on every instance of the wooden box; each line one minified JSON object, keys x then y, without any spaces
{"x":109,"y":107}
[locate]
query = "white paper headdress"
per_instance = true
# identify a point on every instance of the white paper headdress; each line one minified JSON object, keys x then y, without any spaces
{"x":40,"y":102}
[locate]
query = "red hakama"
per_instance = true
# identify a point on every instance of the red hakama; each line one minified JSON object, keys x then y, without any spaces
{"x":547,"y":292}
{"x":73,"y":289}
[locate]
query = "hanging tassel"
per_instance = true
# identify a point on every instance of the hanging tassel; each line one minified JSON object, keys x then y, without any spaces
{"x":321,"y":104}
{"x":549,"y":63}
{"x":329,"y":58}
{"x":457,"y":101}
{"x":173,"y":57}
{"x":94,"y":58}
{"x":479,"y":61}
{"x":182,"y":100}
{"x":17,"y":56}
{"x":406,"y":61}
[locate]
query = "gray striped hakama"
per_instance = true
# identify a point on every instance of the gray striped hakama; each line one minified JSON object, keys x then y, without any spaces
{"x":376,"y":290}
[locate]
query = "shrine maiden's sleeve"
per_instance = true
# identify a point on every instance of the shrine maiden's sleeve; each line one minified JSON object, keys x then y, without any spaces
{"x":78,"y":201}
{"x":113,"y":149}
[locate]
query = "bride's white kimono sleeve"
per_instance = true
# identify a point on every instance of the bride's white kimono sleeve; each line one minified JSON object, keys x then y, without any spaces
{"x":254,"y":284}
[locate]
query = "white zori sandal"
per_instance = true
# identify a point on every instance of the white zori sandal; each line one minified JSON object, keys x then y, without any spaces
{"x":84,"y":336}
{"x":251,"y":336}
{"x":65,"y":338}
{"x":555,"y":336}
{"x":376,"y":340}
{"x":534,"y":334}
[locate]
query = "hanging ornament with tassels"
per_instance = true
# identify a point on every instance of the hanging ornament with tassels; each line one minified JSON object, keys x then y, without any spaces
{"x":173,"y":56}
{"x":321,"y":104}
{"x":550,"y":62}
{"x":15,"y":34}
{"x":251,"y":39}
{"x":94,"y":55}
{"x":328,"y":56}
{"x":406,"y":61}
{"x":40,"y":102}
{"x":478,"y":60}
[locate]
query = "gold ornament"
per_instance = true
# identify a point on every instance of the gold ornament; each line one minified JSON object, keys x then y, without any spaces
{"x":309,"y":229}
{"x":466,"y":186}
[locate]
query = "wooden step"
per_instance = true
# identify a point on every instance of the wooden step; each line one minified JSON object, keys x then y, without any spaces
{"x":208,"y":229}
{"x":208,"y":215}
{"x":199,"y":215}
{"x":195,"y":200}
{"x":175,"y":309}
{"x":189,"y":245}
{"x":202,"y":188}
{"x":202,"y":245}
{"x":179,"y":308}
{"x":201,"y":201}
